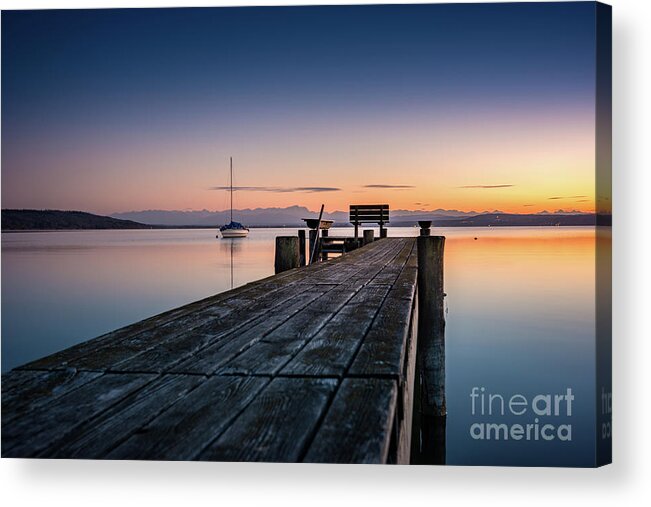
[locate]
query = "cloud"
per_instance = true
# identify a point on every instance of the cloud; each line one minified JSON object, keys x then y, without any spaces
{"x":487,"y":186}
{"x":567,"y":197}
{"x":388,"y":186}
{"x":527,"y":205}
{"x":280,"y":190}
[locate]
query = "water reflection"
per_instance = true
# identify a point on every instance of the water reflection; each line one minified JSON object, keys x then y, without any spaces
{"x":230,"y":247}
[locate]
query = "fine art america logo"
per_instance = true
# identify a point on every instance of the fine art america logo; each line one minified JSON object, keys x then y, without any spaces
{"x":536,"y":416}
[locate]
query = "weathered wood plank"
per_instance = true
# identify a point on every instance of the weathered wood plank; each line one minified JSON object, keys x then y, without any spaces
{"x":93,"y":439}
{"x":383,"y":351}
{"x":358,"y":425}
{"x":174,"y":348}
{"x":270,"y":354}
{"x":39,"y":429}
{"x":187,"y":427}
{"x":407,"y":393}
{"x":277,"y":425}
{"x":331,"y":351}
{"x":23,"y":391}
{"x":209,"y":359}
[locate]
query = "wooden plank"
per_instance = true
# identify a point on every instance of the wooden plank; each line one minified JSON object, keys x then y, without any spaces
{"x":96,"y":437}
{"x":392,"y":271}
{"x":277,"y":425}
{"x":358,"y":425}
{"x":407,"y":393}
{"x":23,"y":391}
{"x":369,"y":213}
{"x":209,"y":359}
{"x":39,"y":429}
{"x":270,"y":354}
{"x":383,"y":351}
{"x":174,"y":349}
{"x":368,"y":206}
{"x":187,"y":427}
{"x":332,"y":350}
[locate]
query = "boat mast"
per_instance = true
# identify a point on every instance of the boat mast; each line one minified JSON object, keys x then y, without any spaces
{"x":231,"y":189}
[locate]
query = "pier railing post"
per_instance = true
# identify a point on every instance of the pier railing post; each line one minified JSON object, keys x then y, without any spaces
{"x":369,"y":236}
{"x":301,"y":247}
{"x":431,"y":325}
{"x":383,"y":231}
{"x":313,"y":233}
{"x":287,"y":253}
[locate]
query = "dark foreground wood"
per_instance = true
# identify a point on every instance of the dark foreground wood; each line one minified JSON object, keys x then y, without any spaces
{"x":313,"y":364}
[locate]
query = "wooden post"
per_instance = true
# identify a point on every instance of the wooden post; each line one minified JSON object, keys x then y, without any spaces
{"x":356,"y":223}
{"x":383,"y":231}
{"x":312,"y":241}
{"x":368,"y":236}
{"x":287,"y":254}
{"x":301,"y":247}
{"x":431,"y":324}
{"x":314,"y":245}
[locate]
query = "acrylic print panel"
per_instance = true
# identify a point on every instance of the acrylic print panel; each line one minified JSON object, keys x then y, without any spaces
{"x":351,"y":234}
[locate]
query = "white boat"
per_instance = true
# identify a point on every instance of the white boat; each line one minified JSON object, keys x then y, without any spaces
{"x":234,"y":232}
{"x":233,"y":229}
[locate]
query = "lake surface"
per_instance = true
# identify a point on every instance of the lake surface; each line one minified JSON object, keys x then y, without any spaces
{"x":520,"y":313}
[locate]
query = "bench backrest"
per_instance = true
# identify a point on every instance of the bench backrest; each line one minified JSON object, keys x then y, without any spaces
{"x":369,"y":213}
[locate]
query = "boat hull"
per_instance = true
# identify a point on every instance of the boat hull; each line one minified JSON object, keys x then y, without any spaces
{"x":235,"y":233}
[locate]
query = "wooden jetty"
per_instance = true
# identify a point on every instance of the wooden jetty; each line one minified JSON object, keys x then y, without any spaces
{"x":314,"y":364}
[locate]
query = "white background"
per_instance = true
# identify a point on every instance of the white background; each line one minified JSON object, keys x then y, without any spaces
{"x":67,"y":483}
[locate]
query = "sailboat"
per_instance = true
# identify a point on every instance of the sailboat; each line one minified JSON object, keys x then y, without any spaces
{"x":233,"y":229}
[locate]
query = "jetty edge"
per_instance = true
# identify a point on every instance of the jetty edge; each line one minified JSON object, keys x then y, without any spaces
{"x":327,"y":363}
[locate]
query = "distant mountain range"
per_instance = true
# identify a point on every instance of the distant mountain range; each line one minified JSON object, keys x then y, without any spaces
{"x":30,"y":219}
{"x":291,"y":217}
{"x":275,"y":217}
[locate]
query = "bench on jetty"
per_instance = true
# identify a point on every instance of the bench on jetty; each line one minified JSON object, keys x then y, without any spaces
{"x":369,"y":214}
{"x":315,"y":364}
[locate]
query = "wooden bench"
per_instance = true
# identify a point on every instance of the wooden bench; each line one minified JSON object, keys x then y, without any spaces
{"x":369,"y":214}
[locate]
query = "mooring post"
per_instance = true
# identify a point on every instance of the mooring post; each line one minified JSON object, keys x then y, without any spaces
{"x":287,"y":253}
{"x":431,"y":324}
{"x":369,"y":236}
{"x":312,"y":241}
{"x":301,"y":247}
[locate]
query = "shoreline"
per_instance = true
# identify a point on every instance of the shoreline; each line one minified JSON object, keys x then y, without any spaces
{"x":197,"y":227}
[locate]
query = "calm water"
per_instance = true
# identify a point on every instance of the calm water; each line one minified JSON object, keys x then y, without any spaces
{"x":520,"y":312}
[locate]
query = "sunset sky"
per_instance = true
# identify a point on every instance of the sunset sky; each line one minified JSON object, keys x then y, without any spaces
{"x":467,"y":107}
